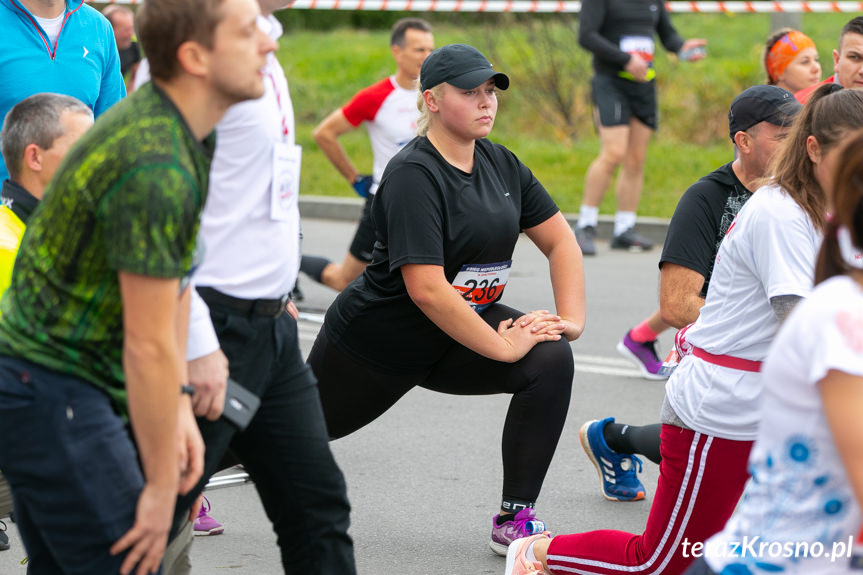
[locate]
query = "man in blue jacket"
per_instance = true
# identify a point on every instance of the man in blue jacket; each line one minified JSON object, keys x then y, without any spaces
{"x":61,"y":46}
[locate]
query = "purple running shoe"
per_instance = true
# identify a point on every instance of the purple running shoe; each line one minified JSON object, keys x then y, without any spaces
{"x":523,"y":524}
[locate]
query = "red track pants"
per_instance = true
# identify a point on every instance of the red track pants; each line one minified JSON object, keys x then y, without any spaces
{"x":701,"y":478}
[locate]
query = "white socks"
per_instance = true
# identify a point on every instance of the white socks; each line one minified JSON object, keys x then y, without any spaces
{"x":588,"y":216}
{"x":623,"y":221}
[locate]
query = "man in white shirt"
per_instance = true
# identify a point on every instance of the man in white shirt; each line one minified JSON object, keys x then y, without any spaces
{"x":250,"y":235}
{"x":389,"y":111}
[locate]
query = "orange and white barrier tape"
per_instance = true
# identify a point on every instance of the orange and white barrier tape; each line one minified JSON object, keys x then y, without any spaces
{"x":559,"y":6}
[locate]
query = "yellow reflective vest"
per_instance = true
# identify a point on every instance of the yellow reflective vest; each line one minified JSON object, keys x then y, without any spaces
{"x":11,"y":230}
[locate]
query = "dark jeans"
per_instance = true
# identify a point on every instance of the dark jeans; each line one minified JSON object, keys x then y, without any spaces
{"x":540,"y":383}
{"x":72,"y":466}
{"x":286,"y":448}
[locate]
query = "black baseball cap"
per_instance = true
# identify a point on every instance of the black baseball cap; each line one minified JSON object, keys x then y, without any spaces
{"x":763,"y":103}
{"x":462,"y":66}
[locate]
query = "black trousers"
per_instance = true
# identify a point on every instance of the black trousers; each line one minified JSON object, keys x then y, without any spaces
{"x":353,"y":395}
{"x":286,"y":448}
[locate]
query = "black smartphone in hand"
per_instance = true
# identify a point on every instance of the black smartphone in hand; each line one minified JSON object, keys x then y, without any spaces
{"x":240,"y":405}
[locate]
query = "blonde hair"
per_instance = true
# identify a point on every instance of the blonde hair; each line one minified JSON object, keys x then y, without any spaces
{"x":425,"y":114}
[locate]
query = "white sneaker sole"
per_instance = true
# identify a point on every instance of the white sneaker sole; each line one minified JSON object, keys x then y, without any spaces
{"x":499,"y":549}
{"x":625,"y":352}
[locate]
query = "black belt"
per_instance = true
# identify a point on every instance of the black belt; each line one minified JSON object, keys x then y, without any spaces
{"x":264,"y":307}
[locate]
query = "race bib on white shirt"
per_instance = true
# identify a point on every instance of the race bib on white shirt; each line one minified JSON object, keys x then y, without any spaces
{"x":641,"y":45}
{"x":482,"y":284}
{"x":285,"y":189}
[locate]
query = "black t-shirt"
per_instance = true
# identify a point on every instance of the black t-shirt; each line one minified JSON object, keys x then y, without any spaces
{"x":129,"y":57}
{"x":427,"y":211}
{"x":701,"y":220}
{"x":603,"y":23}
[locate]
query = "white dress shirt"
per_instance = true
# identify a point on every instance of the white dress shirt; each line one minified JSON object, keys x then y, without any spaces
{"x":247,"y":253}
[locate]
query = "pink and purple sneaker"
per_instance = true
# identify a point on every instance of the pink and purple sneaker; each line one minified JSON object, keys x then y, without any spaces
{"x":523,"y":524}
{"x":204,"y":524}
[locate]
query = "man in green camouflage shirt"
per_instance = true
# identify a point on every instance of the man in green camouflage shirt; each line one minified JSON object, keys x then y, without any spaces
{"x":93,"y":326}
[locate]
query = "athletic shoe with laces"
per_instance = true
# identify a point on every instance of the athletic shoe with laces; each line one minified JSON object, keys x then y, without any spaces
{"x":4,"y":539}
{"x":523,"y":524}
{"x":204,"y":524}
{"x":585,"y":237}
{"x":517,"y":562}
{"x":642,"y":354}
{"x":618,"y":477}
{"x":631,"y":240}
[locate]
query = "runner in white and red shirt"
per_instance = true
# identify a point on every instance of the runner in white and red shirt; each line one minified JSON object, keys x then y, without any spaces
{"x":389,"y":111}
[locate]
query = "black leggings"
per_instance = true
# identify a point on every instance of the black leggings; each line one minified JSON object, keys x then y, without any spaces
{"x":352,"y":395}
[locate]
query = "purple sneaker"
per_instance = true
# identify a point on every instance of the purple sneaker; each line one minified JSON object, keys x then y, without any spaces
{"x":643,"y":355}
{"x":204,"y":524}
{"x":523,"y":524}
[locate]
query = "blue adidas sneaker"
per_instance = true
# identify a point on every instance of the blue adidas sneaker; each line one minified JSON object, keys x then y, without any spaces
{"x":618,"y":477}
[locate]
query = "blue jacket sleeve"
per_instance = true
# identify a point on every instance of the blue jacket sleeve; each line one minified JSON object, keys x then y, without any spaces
{"x":112,"y":88}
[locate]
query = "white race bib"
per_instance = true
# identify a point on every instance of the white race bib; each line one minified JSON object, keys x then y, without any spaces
{"x":285,"y":190}
{"x":641,"y":45}
{"x":482,"y":284}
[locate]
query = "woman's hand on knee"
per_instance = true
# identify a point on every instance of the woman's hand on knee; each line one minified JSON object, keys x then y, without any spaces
{"x":521,"y":335}
{"x":571,"y":330}
{"x":545,"y":322}
{"x":535,"y":318}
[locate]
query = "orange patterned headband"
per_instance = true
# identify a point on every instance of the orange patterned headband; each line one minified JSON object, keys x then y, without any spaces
{"x":784,"y":51}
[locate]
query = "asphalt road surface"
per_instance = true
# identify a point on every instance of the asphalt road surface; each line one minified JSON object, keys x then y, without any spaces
{"x":425,"y":478}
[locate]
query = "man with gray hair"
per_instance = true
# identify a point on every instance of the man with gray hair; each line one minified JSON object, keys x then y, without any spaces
{"x":37,"y":133}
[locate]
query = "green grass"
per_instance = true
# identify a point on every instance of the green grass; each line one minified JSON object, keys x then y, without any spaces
{"x":325,"y":68}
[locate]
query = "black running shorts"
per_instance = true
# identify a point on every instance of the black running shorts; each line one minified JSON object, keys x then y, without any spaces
{"x":364,"y":238}
{"x":616,"y":100}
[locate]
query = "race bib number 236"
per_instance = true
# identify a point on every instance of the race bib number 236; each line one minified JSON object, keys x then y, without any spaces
{"x":482,"y":284}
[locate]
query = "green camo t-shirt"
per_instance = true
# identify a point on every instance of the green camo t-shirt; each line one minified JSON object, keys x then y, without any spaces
{"x":127,"y":198}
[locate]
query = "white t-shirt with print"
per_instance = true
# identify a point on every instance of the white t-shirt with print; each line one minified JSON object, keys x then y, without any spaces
{"x":769,"y":251}
{"x":799,"y":491}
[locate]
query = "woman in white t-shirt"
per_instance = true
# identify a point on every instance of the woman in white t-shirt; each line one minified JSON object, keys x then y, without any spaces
{"x":801,"y":508}
{"x":711,"y":414}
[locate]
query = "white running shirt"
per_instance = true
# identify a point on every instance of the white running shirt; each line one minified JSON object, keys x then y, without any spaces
{"x":769,"y":251}
{"x":799,"y":490}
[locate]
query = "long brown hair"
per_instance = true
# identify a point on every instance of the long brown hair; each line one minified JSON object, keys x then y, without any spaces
{"x":829,"y":116}
{"x":848,"y":211}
